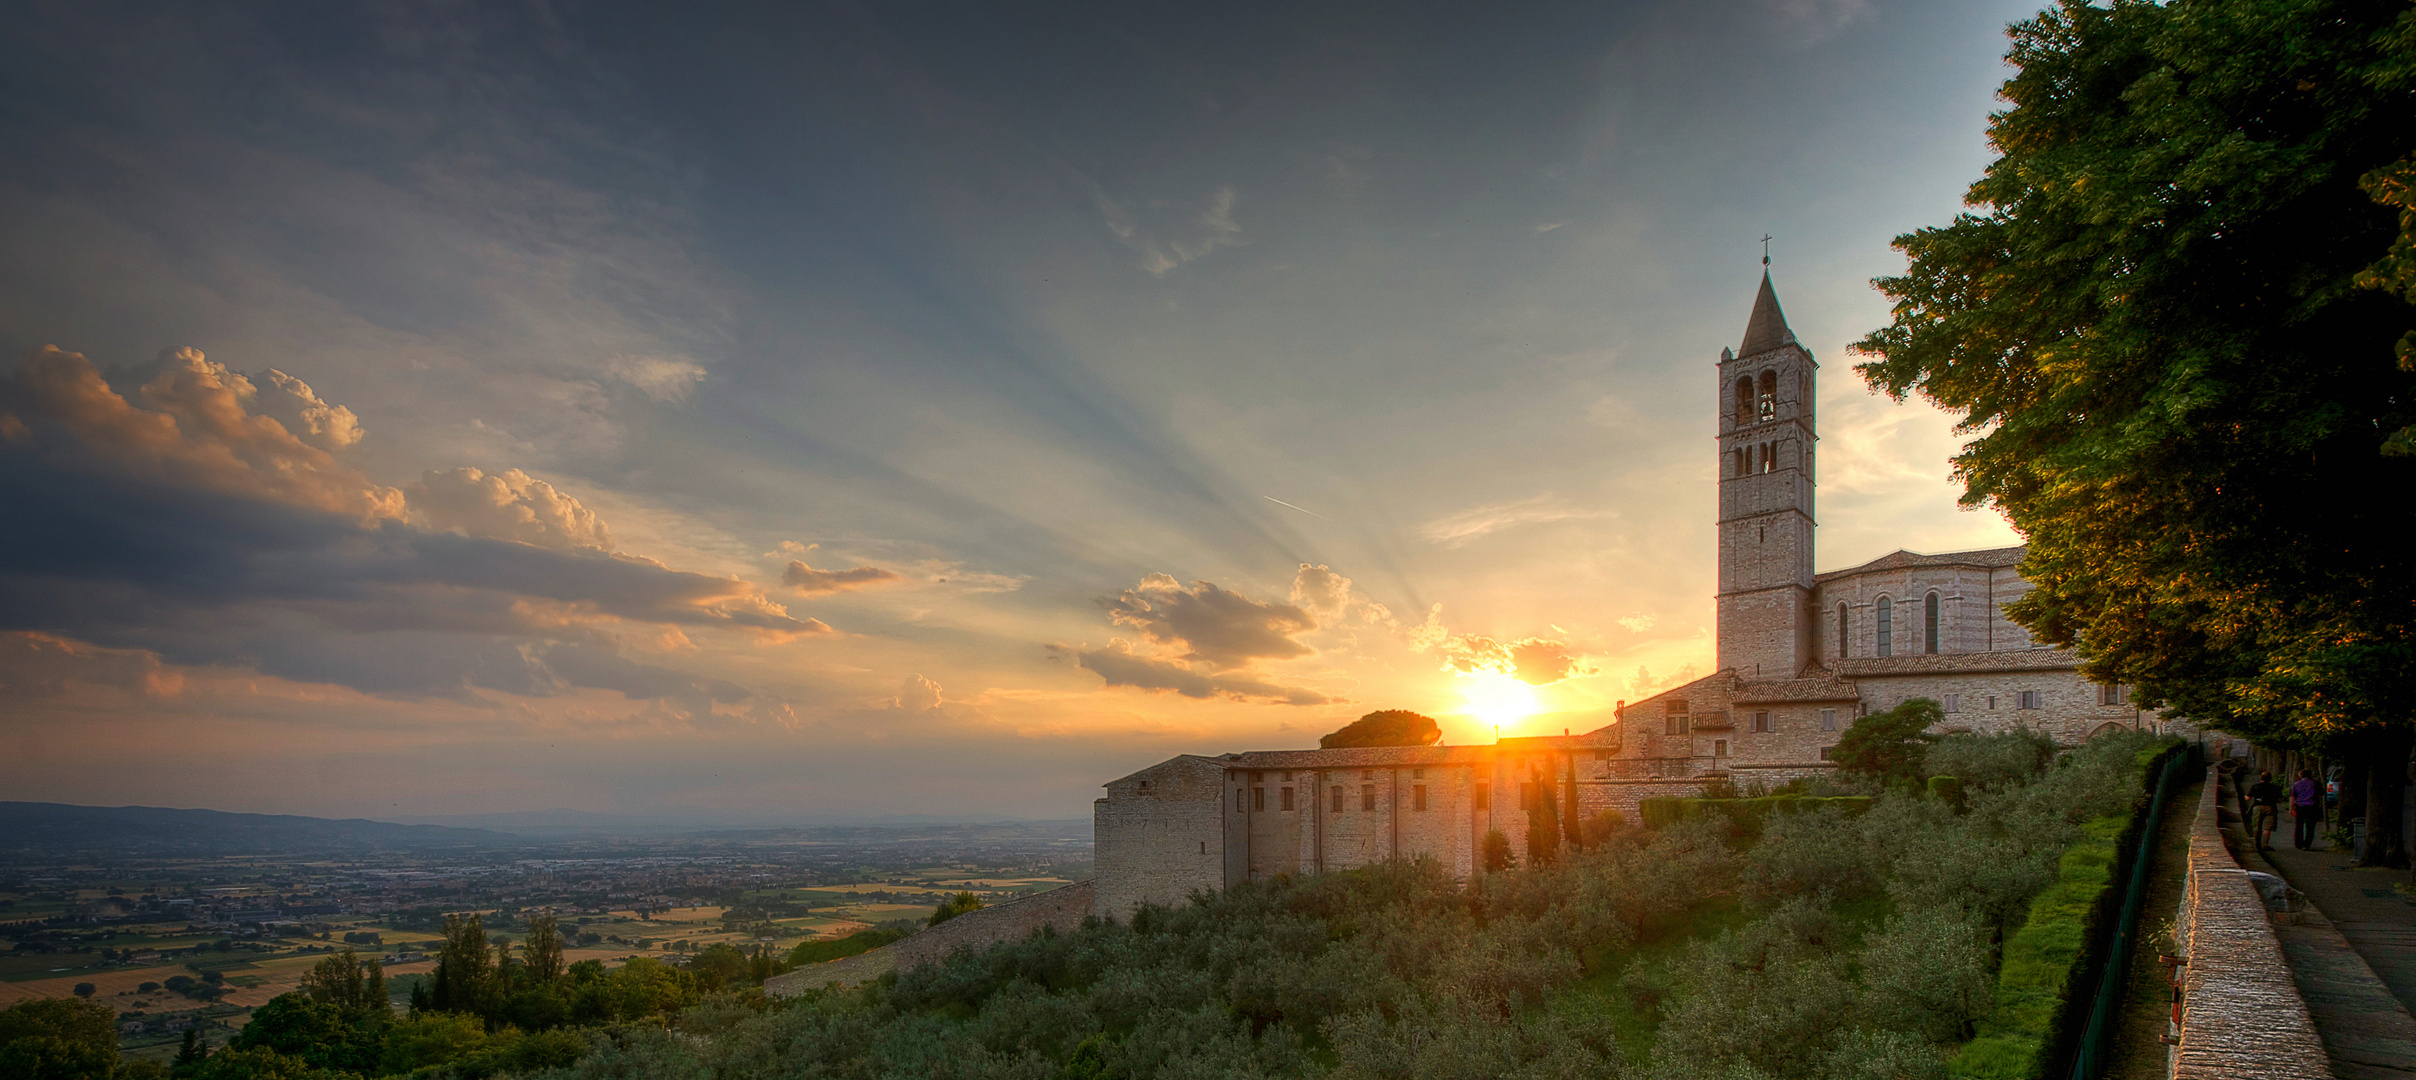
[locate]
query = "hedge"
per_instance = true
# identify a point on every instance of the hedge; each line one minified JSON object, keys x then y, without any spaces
{"x":1745,"y":815}
{"x":2051,"y":964}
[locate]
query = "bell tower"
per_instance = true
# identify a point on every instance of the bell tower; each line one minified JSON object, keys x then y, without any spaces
{"x":1766,"y":435}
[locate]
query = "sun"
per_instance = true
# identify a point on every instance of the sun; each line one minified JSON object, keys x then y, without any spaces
{"x":1498,"y":699}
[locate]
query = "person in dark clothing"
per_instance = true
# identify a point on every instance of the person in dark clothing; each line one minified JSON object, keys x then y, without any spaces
{"x":2264,"y":809}
{"x":2305,"y":809}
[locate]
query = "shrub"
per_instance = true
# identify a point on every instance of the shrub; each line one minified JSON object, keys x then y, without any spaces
{"x":1889,"y":744}
{"x":1990,"y":761}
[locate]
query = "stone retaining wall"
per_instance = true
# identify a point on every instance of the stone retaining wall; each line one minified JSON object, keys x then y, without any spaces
{"x":1063,"y":908}
{"x":2241,"y":1012}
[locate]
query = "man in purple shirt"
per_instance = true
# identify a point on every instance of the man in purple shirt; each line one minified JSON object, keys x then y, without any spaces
{"x":2305,"y":811}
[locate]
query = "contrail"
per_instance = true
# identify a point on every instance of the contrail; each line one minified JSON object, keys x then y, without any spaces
{"x":1304,"y":510}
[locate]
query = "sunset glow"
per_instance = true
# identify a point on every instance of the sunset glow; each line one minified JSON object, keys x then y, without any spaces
{"x":1499,"y":699}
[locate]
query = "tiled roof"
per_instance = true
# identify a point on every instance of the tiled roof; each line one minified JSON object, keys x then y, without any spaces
{"x":1987,"y":558}
{"x":1817,"y":684}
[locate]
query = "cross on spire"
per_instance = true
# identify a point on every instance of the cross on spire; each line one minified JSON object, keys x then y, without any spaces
{"x":1765,"y":249}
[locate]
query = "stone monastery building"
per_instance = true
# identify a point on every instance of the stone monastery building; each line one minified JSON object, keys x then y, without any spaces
{"x":1801,"y":654}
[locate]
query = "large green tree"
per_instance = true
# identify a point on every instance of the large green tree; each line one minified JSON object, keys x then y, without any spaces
{"x":2169,"y":321}
{"x":58,"y":1039}
{"x":1386,"y":727}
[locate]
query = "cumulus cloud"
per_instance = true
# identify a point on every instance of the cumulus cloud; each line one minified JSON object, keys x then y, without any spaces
{"x":199,"y":527}
{"x":1469,"y":524}
{"x":509,"y":505}
{"x":1209,"y":624}
{"x":1119,"y":666}
{"x":812,"y":582}
{"x":1535,"y":661}
{"x":916,"y":694}
{"x":199,"y":432}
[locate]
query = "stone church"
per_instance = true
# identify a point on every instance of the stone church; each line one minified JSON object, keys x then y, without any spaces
{"x":1801,"y":654}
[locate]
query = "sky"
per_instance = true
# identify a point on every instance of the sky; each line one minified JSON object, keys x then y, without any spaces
{"x":793,"y":412}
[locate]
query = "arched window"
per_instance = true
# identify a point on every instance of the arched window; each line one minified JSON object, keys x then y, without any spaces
{"x":1929,"y":622}
{"x":1744,"y":402}
{"x":1845,"y":632}
{"x":1767,"y":407}
{"x":1769,"y":457}
{"x":1737,"y":459}
{"x":1887,"y":627}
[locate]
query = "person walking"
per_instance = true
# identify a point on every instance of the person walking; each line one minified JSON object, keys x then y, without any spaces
{"x":2307,"y":808}
{"x":2264,"y":809}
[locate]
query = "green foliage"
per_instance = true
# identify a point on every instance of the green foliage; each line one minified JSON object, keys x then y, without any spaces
{"x":954,"y":906}
{"x":1496,"y":852}
{"x":2038,"y":998}
{"x":1386,"y":727}
{"x":1948,"y":790}
{"x":346,"y":983}
{"x":862,"y":941}
{"x":1744,"y":816}
{"x":1889,"y":745}
{"x":58,"y":1039}
{"x":1543,"y":822}
{"x":2170,"y":322}
{"x":1989,"y":761}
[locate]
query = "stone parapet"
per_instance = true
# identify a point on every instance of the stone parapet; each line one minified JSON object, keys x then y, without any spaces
{"x":2241,"y":1012}
{"x":1063,"y":908}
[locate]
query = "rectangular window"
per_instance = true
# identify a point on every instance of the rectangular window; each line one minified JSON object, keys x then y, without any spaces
{"x":1337,"y":798}
{"x":1824,"y":752}
{"x":2113,"y":694}
{"x":1719,"y":748}
{"x":2030,"y":699}
{"x":1258,"y":798}
{"x":1761,"y":721}
{"x":1417,"y":797}
{"x":1417,"y":774}
{"x":1287,"y":798}
{"x":1367,"y":797}
{"x":1674,"y":717}
{"x":1484,"y":797}
{"x":1954,"y":703}
{"x":1992,"y":703}
{"x":1828,"y":719}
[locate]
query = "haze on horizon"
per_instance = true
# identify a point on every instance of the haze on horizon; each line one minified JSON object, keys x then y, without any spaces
{"x":908,"y":409}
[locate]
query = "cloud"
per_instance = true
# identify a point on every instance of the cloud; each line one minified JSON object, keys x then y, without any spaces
{"x":1535,"y":661}
{"x":1469,"y":524}
{"x":1120,"y":667}
{"x":1215,"y":225}
{"x":35,"y":664}
{"x":916,"y":694}
{"x":1638,"y":622}
{"x":1329,"y":598}
{"x":1209,"y":624}
{"x":199,"y":531}
{"x":199,"y":432}
{"x":663,"y":378}
{"x":812,"y":582}
{"x":509,"y":505}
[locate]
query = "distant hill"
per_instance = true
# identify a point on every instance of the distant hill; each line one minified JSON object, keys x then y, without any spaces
{"x":561,"y":824}
{"x":49,"y":829}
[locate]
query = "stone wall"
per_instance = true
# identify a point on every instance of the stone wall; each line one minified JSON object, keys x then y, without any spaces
{"x":1062,"y":908}
{"x":2241,"y":1012}
{"x":1161,"y":835}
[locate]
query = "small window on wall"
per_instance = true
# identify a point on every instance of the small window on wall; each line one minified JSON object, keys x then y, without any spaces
{"x":2030,"y":699}
{"x":1417,"y":796}
{"x":1258,"y":798}
{"x":1482,"y":797}
{"x":1828,"y":719}
{"x":1367,"y":797}
{"x":2113,"y":694}
{"x":1417,"y":774}
{"x":1929,"y":623}
{"x":1719,"y":748}
{"x":1887,"y":627}
{"x":1287,"y":798}
{"x":1845,"y":632}
{"x":1825,"y":753}
{"x":1953,"y":703}
{"x":1144,"y":787}
{"x":1674,"y":716}
{"x":1761,"y":721}
{"x":1337,"y":798}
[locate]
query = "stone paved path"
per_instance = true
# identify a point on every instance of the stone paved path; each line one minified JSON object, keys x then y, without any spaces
{"x":2354,"y":958}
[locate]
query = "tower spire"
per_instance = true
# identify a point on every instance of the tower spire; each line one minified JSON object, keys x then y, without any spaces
{"x":1767,"y":329}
